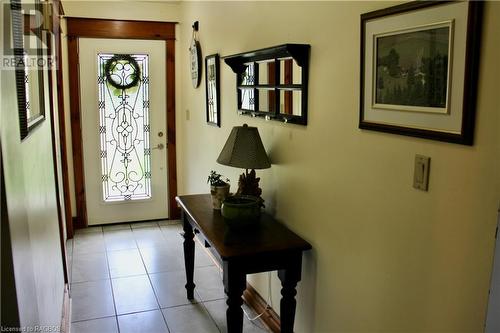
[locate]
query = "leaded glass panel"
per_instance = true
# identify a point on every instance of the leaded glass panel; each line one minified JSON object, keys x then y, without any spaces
{"x":123,"y":83}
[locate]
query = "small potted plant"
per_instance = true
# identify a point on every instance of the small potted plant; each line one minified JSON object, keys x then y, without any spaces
{"x":219,"y":188}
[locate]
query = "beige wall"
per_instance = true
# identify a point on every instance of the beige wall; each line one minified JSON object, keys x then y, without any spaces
{"x":386,"y":257}
{"x":123,"y":9}
{"x":32,"y":211}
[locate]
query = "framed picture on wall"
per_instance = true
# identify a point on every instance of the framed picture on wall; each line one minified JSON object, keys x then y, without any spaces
{"x":212,"y":89}
{"x":31,"y":44}
{"x":419,"y":69}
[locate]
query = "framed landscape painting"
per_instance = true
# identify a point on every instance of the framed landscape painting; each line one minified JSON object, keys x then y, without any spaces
{"x":419,"y":64}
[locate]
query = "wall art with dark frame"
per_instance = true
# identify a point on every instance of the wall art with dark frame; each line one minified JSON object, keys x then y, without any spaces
{"x":31,"y":53}
{"x":212,"y":89}
{"x":419,"y":69}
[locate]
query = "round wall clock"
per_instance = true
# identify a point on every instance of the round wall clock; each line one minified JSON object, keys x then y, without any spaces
{"x":195,"y":57}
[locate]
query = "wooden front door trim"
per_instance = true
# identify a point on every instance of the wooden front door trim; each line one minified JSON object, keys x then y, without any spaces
{"x":126,"y":29}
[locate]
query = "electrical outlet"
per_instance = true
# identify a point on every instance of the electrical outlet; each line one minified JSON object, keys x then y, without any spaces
{"x":421,"y":172}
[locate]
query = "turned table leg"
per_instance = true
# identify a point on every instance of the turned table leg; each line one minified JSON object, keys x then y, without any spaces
{"x":189,"y":256}
{"x":234,"y":285}
{"x":289,"y":277}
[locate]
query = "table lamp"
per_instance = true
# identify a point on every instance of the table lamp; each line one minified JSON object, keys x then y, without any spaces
{"x":244,"y":149}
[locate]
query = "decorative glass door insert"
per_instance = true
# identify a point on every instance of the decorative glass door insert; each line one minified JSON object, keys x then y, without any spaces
{"x":124,"y":128}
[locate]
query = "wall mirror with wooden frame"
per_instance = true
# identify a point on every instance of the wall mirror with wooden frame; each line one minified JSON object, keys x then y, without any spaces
{"x":272,"y":82}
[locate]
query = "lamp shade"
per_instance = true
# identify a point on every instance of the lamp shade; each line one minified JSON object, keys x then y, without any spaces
{"x":244,"y":149}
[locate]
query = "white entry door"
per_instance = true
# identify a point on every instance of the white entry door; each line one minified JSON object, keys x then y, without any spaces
{"x":123,"y":110}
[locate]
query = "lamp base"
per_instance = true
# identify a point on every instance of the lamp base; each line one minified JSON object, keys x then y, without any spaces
{"x":248,"y":184}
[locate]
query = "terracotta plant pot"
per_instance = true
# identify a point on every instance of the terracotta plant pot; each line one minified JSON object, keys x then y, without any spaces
{"x":219,"y":194}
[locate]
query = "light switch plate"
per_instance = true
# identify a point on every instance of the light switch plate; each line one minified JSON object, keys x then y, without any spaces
{"x":421,"y":172}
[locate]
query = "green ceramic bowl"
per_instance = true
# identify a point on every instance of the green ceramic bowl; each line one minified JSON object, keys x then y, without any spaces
{"x":240,"y":211}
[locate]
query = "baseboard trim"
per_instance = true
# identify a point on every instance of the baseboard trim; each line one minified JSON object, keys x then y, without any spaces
{"x":66,"y":312}
{"x":259,"y":305}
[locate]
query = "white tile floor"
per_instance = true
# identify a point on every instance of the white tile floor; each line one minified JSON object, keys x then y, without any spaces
{"x":130,"y":278}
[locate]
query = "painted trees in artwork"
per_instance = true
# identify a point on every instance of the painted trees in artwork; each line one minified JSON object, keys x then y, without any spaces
{"x":412,"y":69}
{"x":424,"y":85}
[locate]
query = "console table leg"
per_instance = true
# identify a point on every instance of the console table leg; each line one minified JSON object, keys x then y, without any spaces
{"x":234,"y":286}
{"x":189,"y":257}
{"x":289,"y":278}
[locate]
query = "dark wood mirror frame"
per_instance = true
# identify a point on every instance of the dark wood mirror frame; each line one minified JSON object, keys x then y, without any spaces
{"x":298,"y":53}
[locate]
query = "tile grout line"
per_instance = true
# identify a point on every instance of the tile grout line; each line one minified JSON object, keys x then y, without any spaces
{"x":101,"y":232}
{"x":91,"y":319}
{"x":175,"y":306}
{"x":110,"y":282}
{"x":81,"y":282}
{"x":150,"y":282}
{"x":211,"y":317}
{"x":216,"y":265}
{"x":166,"y":240}
{"x":220,"y":272}
{"x":163,"y":315}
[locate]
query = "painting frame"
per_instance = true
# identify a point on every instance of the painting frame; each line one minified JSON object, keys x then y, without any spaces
{"x":417,"y":118}
{"x":212,"y":89}
{"x":32,"y":107}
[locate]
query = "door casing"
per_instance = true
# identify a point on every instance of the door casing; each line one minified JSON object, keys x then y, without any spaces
{"x":126,"y":29}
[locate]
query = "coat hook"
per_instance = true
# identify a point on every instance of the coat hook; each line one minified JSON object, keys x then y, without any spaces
{"x":195,"y":25}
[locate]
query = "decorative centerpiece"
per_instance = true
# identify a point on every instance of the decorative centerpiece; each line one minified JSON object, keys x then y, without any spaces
{"x":248,"y":185}
{"x":241,"y":210}
{"x":219,"y":188}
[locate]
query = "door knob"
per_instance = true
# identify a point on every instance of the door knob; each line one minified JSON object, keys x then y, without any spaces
{"x":159,"y":146}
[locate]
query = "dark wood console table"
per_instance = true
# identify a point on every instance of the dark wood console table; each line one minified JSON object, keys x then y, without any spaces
{"x":266,"y":247}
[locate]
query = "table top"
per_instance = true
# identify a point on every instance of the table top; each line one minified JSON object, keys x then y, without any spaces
{"x":267,"y":236}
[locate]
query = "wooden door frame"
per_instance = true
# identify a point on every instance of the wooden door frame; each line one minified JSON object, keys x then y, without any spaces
{"x":118,"y":29}
{"x":62,"y":121}
{"x":55,"y":50}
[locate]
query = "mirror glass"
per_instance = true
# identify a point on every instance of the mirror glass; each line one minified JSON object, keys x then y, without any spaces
{"x":291,"y":102}
{"x":246,"y":99}
{"x":290,"y":72}
{"x":267,"y":72}
{"x":267,"y":100}
{"x":247,"y":78}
